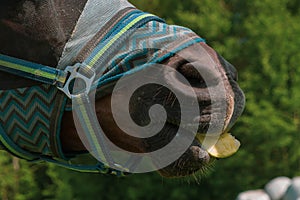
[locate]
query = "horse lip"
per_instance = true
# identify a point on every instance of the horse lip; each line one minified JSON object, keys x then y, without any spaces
{"x":208,"y":122}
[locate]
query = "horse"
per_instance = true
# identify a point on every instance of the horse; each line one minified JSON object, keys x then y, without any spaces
{"x":40,"y":32}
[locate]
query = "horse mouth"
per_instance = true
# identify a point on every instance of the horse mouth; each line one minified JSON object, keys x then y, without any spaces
{"x":195,"y":157}
{"x":198,"y":158}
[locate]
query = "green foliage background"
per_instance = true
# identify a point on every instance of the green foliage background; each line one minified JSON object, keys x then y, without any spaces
{"x":262,"y":39}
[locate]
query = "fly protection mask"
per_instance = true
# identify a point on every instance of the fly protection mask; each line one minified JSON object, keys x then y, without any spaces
{"x":104,"y":36}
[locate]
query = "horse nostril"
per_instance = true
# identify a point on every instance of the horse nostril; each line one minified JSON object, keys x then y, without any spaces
{"x":199,"y":75}
{"x":192,"y":75}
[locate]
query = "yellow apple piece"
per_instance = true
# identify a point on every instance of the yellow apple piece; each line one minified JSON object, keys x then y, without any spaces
{"x":222,"y":146}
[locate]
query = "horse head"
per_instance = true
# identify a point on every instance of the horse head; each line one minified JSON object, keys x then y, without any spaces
{"x":40,"y":31}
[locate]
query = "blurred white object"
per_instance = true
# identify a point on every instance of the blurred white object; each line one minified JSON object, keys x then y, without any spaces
{"x":253,"y":195}
{"x":293,"y":191}
{"x":277,"y":187}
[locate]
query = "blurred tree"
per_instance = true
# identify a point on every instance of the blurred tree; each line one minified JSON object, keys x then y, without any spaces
{"x":16,"y":179}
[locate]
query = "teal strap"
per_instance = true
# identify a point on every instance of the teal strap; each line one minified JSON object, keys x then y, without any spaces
{"x":32,"y":70}
{"x":96,"y":168}
{"x":86,"y":116}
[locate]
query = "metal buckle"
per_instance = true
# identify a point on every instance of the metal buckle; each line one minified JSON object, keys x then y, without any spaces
{"x":77,"y":72}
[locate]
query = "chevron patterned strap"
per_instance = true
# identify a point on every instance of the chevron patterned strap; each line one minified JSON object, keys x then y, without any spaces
{"x":30,"y":120}
{"x":151,"y":43}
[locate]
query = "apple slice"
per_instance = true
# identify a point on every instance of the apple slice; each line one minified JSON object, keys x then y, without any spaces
{"x":222,"y":146}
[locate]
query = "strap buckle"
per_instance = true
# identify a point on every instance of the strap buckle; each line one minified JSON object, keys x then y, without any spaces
{"x":79,"y":81}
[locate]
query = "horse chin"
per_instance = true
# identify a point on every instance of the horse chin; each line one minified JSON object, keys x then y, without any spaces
{"x":179,"y":170}
{"x":195,"y":160}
